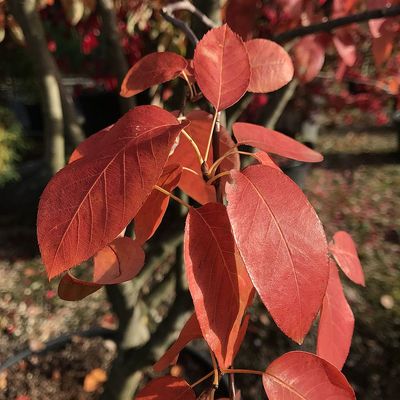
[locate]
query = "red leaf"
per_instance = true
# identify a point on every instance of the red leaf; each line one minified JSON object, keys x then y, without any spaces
{"x":149,"y":217}
{"x":336,"y":323}
{"x":344,"y":251}
{"x":74,"y":289}
{"x":382,"y":48}
{"x":282,"y":243}
{"x":153,"y":69}
{"x":299,"y":375}
{"x":166,"y":388}
{"x":241,"y":16}
{"x":342,"y":7}
{"x":376,"y":24}
{"x":272,"y":141}
{"x":190,"y":331}
{"x":222,"y":67}
{"x":90,"y":146}
{"x":271,"y":66}
{"x":345,"y":46}
{"x":118,"y":262}
{"x":88,"y":203}
{"x":218,"y":281}
{"x":265,"y":159}
{"x":308,"y":57}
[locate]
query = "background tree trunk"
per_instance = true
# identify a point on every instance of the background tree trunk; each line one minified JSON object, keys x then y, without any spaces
{"x":25,"y":13}
{"x":116,"y":56}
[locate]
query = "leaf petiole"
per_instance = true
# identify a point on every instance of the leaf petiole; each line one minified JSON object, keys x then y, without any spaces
{"x":242,"y":371}
{"x":220,"y":175}
{"x":202,"y":379}
{"x":189,"y":84}
{"x":193,"y":143}
{"x":180,"y":201}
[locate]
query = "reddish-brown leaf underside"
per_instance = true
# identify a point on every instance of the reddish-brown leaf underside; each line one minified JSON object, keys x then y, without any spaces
{"x":222,"y":67}
{"x":271,"y":66}
{"x":190,"y":331}
{"x":274,"y":142}
{"x":218,"y":281}
{"x":304,"y":376}
{"x":166,"y":388}
{"x":88,"y":203}
{"x":149,"y":217}
{"x":344,"y":251}
{"x":336,"y":322}
{"x":74,"y":289}
{"x":282,"y":243}
{"x":118,"y":262}
{"x":153,"y":69}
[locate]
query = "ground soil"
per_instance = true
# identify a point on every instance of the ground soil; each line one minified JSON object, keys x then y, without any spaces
{"x":357,"y":188}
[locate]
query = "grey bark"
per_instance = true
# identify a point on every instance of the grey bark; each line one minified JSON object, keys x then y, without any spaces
{"x":25,"y":13}
{"x":118,"y":62}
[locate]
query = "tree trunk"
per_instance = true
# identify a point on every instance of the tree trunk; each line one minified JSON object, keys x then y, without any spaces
{"x":116,"y":55}
{"x":25,"y":13}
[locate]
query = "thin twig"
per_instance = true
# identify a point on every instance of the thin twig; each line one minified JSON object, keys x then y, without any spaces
{"x":168,"y":13}
{"x":337,"y":23}
{"x":180,"y":201}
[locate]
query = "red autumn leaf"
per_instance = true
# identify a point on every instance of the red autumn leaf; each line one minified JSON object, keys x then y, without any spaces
{"x":118,"y":262}
{"x":300,"y":375}
{"x":190,"y":331}
{"x":91,"y":146}
{"x":345,"y":46}
{"x":149,"y":217}
{"x":218,"y":281}
{"x":88,"y":203}
{"x":241,"y":16}
{"x":242,"y":330}
{"x":342,"y":7}
{"x":336,"y":323}
{"x":382,"y":48}
{"x":282,"y":243}
{"x":222,"y":67}
{"x":344,"y":251}
{"x":308,"y":57}
{"x":265,"y":159}
{"x":292,"y":8}
{"x":74,"y":289}
{"x":153,"y":69}
{"x":271,"y":66}
{"x":166,"y":388}
{"x":272,"y":141}
{"x":376,"y":24}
